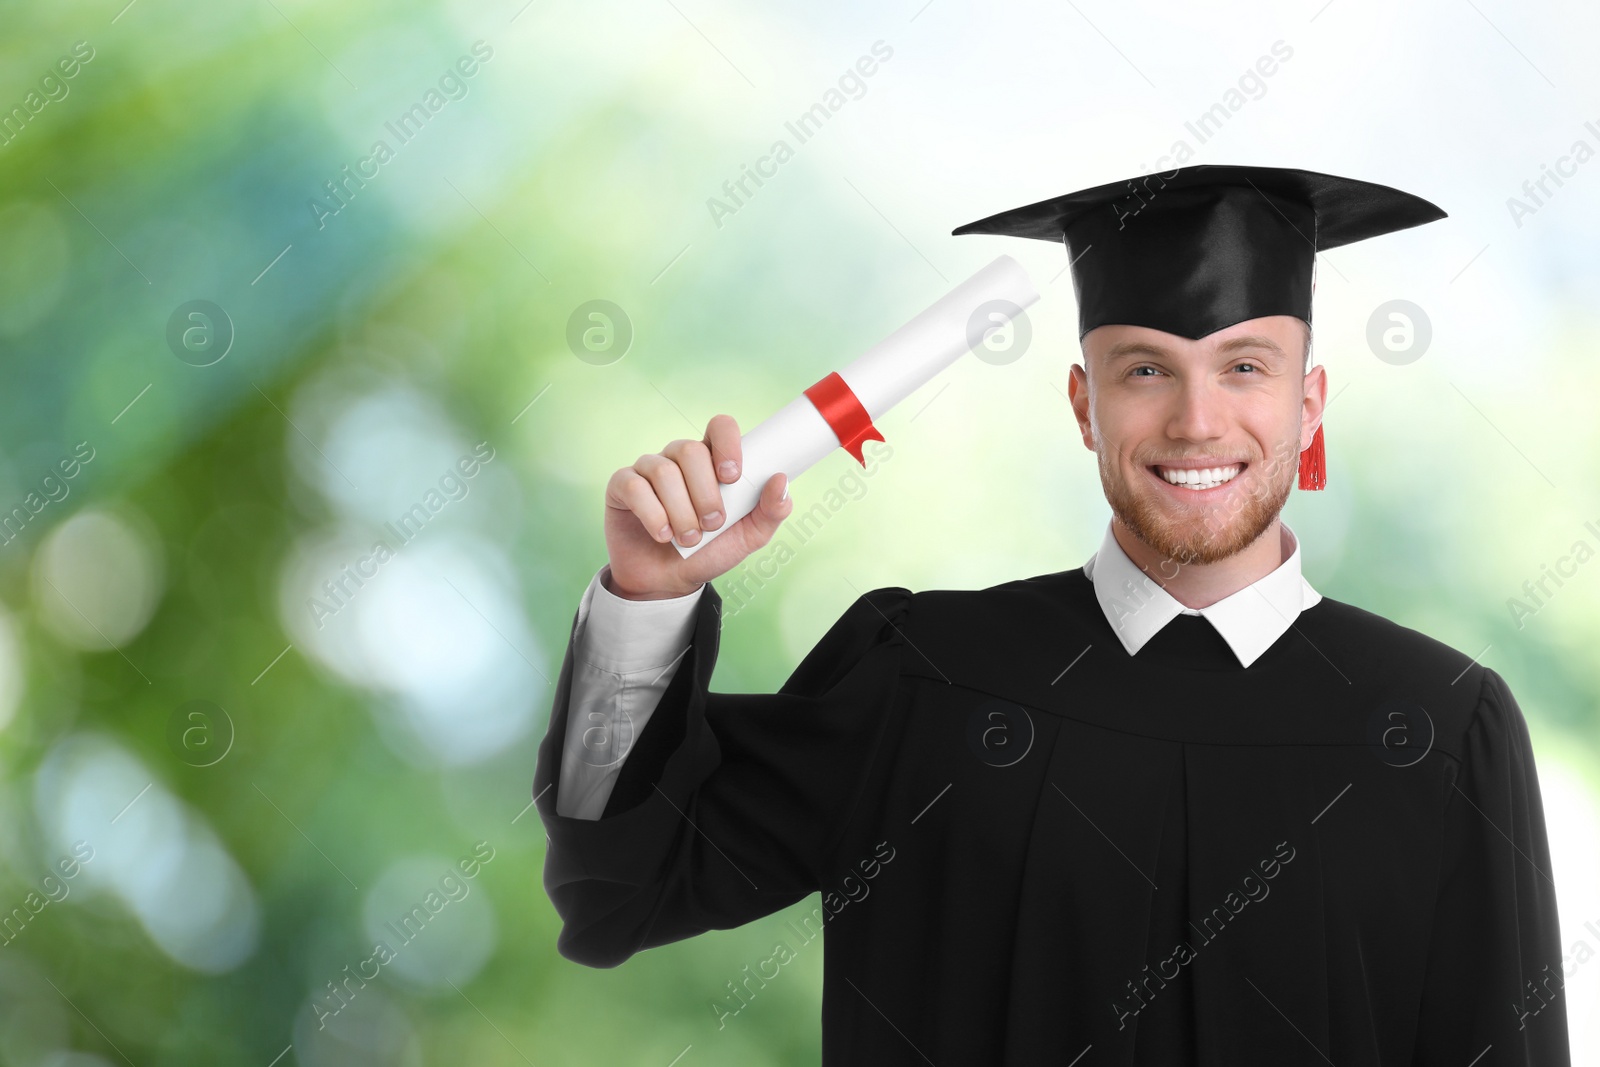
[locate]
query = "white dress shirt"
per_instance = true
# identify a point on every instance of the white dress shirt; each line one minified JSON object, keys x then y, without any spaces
{"x":1250,"y":620}
{"x":626,"y":652}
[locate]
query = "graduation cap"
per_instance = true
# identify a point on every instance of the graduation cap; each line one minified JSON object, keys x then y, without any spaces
{"x":1197,"y":249}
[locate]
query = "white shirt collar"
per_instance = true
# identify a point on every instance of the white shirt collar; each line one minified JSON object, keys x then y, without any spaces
{"x":1250,"y":620}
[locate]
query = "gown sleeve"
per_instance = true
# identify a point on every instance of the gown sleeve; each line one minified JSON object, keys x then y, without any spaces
{"x":1493,"y":984}
{"x":728,"y":806}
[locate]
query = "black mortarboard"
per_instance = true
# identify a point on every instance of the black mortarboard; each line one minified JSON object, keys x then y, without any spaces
{"x":1196,"y":249}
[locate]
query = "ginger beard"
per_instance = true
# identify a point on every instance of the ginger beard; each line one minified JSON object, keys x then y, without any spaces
{"x":1198,"y":532}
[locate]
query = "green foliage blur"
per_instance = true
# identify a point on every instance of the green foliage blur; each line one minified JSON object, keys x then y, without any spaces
{"x":259,"y":344}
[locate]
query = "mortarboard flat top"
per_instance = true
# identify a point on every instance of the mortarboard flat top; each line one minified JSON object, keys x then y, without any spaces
{"x":1197,"y":249}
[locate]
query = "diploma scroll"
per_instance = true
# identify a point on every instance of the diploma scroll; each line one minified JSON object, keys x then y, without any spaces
{"x":838,"y":410}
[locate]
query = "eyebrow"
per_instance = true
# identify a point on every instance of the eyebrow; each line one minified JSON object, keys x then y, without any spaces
{"x":1124,"y":349}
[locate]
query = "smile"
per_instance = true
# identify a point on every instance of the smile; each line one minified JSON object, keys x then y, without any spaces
{"x":1197,"y":479}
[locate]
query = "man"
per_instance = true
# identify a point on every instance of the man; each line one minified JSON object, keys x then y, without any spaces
{"x":1170,"y":807}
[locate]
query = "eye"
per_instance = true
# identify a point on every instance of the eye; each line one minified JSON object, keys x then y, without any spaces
{"x":1250,"y":366}
{"x":1134,"y":373}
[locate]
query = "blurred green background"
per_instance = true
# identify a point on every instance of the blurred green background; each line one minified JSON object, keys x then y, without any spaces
{"x":229,"y":767}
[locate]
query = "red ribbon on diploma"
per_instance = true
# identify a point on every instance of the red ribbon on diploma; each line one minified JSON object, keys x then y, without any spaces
{"x":844,"y":414}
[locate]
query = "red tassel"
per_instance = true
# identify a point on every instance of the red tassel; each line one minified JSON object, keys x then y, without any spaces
{"x":1314,"y":463}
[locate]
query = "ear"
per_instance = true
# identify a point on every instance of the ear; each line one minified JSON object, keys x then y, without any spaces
{"x":1313,"y":404}
{"x":1078,"y":393}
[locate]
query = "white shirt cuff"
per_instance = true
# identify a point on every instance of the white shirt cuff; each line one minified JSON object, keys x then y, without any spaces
{"x":623,"y":636}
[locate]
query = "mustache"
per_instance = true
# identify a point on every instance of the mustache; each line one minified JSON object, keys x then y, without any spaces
{"x":1216,"y":461}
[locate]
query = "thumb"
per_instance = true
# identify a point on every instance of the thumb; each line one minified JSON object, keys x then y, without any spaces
{"x":773,"y":507}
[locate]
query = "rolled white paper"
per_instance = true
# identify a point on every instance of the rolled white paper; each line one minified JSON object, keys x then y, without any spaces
{"x":797,"y":437}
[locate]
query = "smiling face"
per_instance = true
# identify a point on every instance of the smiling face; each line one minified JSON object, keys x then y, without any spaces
{"x":1198,"y":441}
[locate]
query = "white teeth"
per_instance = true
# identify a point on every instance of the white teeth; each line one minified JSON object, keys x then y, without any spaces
{"x":1204,"y":478}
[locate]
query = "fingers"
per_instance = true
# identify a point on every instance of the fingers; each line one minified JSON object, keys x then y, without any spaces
{"x":630,"y":489}
{"x":677,"y":493}
{"x":693,"y":459}
{"x":722,"y":437}
{"x":668,"y":476}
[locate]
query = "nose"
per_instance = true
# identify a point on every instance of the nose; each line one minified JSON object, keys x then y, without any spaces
{"x":1200,"y":414}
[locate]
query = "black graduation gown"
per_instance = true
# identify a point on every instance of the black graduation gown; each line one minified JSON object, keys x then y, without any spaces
{"x":1033,"y":847}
